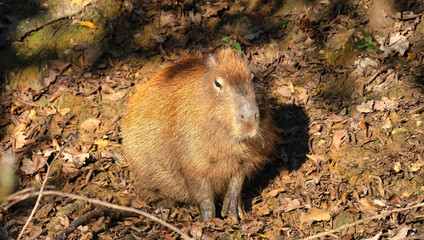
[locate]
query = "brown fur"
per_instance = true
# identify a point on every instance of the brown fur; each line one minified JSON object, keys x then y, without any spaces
{"x":180,"y":133}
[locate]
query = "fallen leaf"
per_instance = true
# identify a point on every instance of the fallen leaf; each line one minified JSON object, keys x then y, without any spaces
{"x":390,"y":104}
{"x":32,"y":114}
{"x":402,"y":233}
{"x":335,"y":118}
{"x":79,"y":159}
{"x":376,"y":237}
{"x":304,"y":24}
{"x":85,"y":55}
{"x":316,"y":158}
{"x":212,"y":8}
{"x":274,"y":192}
{"x":284,"y":91}
{"x":292,"y":204}
{"x":51,"y":78}
{"x":362,"y":65}
{"x":415,"y":167}
{"x":85,"y":23}
{"x":59,"y":92}
{"x":338,"y":137}
{"x":397,"y":167}
{"x":58,"y":65}
{"x":20,"y":139}
{"x":64,"y":111}
{"x":315,"y":215}
{"x":30,"y":166}
{"x":90,"y":125}
{"x":369,"y":205}
{"x":261,"y":209}
{"x":101,"y":142}
{"x":366,"y":107}
{"x":397,"y":43}
{"x":363,"y":125}
{"x":69,"y":167}
{"x":379,"y":105}
{"x":116,"y":96}
{"x":387,"y":124}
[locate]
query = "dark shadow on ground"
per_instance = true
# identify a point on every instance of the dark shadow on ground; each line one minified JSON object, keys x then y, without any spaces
{"x":292,"y":123}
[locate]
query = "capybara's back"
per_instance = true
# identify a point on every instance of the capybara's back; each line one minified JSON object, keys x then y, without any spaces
{"x":194,"y":132}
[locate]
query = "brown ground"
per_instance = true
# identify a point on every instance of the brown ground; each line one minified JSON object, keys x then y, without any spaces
{"x":349,"y":106}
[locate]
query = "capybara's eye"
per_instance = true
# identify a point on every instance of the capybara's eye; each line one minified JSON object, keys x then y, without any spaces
{"x":218,"y":83}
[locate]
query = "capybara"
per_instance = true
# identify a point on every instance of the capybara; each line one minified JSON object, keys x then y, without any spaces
{"x":196,"y":130}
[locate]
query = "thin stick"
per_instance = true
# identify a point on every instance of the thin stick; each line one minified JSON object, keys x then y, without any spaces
{"x":40,"y":194}
{"x":81,"y":220}
{"x":383,"y":214}
{"x":113,"y":206}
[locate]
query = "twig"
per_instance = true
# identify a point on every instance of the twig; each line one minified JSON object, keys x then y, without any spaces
{"x":96,"y":213}
{"x":383,"y":214}
{"x":40,"y":193}
{"x":113,"y":206}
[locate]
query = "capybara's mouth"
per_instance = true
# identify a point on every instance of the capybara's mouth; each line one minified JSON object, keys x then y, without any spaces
{"x":248,"y":130}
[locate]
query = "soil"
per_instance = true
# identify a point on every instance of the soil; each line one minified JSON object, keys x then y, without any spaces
{"x":345,"y":79}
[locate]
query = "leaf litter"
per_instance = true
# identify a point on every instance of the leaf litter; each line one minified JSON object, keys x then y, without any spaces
{"x":350,"y":120}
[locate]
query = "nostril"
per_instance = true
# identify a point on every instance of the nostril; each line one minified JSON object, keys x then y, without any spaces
{"x":256,"y":116}
{"x":242,"y":118}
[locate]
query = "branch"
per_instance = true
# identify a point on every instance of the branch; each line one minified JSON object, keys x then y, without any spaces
{"x":110,"y":205}
{"x":40,"y":193}
{"x":383,"y":214}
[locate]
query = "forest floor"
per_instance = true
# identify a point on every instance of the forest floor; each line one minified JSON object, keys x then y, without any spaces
{"x":345,"y":81}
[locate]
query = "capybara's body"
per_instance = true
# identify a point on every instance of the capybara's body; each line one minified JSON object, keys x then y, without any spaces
{"x":194,"y":132}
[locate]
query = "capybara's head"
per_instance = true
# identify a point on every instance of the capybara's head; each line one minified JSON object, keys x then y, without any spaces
{"x":234,"y":102}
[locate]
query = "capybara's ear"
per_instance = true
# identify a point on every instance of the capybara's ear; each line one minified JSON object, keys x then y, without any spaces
{"x":210,"y":61}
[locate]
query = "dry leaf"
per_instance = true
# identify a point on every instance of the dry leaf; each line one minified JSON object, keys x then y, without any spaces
{"x":335,"y":118}
{"x":379,"y":105}
{"x":85,"y":23}
{"x":261,"y":209}
{"x":196,"y":230}
{"x":284,"y":91}
{"x":64,"y":111}
{"x":387,"y":124}
{"x":376,"y":237}
{"x":397,"y":167}
{"x":274,"y":192}
{"x":291,"y":204}
{"x":20,"y":139}
{"x":116,"y":96}
{"x":85,"y":55}
{"x":415,"y":167}
{"x":101,"y":142}
{"x":369,"y":205}
{"x":59,"y":92}
{"x":363,"y":125}
{"x":32,"y":114}
{"x":315,"y":215}
{"x":69,"y":167}
{"x":401,"y":234}
{"x":365,"y":107}
{"x":338,"y":137}
{"x":31,"y":166}
{"x":316,"y":158}
{"x":304,"y":24}
{"x":64,"y":220}
{"x":397,"y":43}
{"x":90,"y":125}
